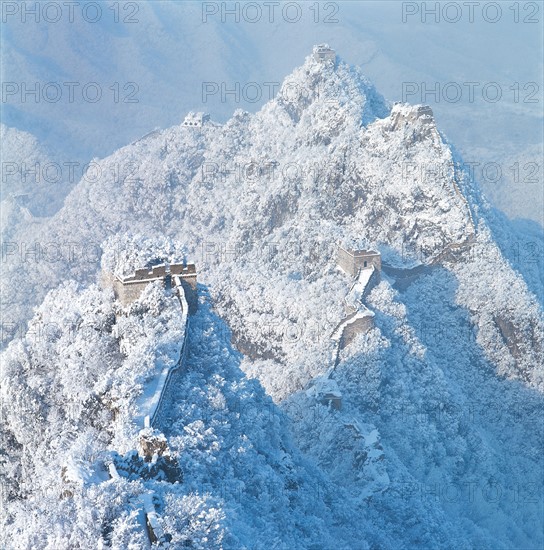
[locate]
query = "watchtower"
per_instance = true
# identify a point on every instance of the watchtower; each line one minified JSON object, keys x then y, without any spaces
{"x":323,"y":53}
{"x":196,"y":120}
{"x":129,"y":288}
{"x":352,"y":260}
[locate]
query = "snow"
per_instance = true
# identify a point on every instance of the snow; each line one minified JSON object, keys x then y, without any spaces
{"x":77,"y":472}
{"x":254,"y":447}
{"x":323,"y":386}
{"x":151,"y":515}
{"x":356,"y":292}
{"x":361,"y":313}
{"x":113,"y":471}
{"x":150,"y":399}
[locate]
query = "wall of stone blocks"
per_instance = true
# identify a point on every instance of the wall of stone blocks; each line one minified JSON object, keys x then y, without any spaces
{"x":358,"y":326}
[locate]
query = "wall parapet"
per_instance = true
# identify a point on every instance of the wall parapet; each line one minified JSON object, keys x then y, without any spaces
{"x":128,"y":288}
{"x":152,"y":414}
{"x":365,"y":267}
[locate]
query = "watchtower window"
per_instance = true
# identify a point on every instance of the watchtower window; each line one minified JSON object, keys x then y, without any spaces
{"x":366,"y":263}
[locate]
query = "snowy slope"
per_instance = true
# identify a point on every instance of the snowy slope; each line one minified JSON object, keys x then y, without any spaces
{"x":276,"y":191}
{"x":261,"y":204}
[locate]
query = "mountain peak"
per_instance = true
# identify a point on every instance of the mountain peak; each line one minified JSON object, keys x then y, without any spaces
{"x":327,"y":88}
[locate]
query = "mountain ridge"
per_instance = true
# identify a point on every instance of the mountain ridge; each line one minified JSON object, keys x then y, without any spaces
{"x":261,"y":204}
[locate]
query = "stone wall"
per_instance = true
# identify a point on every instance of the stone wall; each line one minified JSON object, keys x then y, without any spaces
{"x":357,"y":326}
{"x":187,"y":277}
{"x":185,"y":272}
{"x":353,"y":324}
{"x":402,"y":114}
{"x":129,"y":292}
{"x":374,"y":280}
{"x":128,"y":289}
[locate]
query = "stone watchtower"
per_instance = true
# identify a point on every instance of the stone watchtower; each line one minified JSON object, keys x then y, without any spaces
{"x":323,"y":53}
{"x":129,"y":288}
{"x":352,"y":260}
{"x":402,"y":114}
{"x":196,"y":120}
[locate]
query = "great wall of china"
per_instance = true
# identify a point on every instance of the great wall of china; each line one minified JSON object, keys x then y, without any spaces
{"x":362,"y":265}
{"x":182,"y":279}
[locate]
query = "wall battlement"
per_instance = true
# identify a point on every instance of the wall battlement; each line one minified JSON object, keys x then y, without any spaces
{"x":129,"y":288}
{"x":359,"y":321}
{"x":364,"y":266}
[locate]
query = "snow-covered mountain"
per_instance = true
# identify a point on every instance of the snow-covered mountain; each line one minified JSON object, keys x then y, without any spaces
{"x":151,"y":61}
{"x":414,"y":457}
